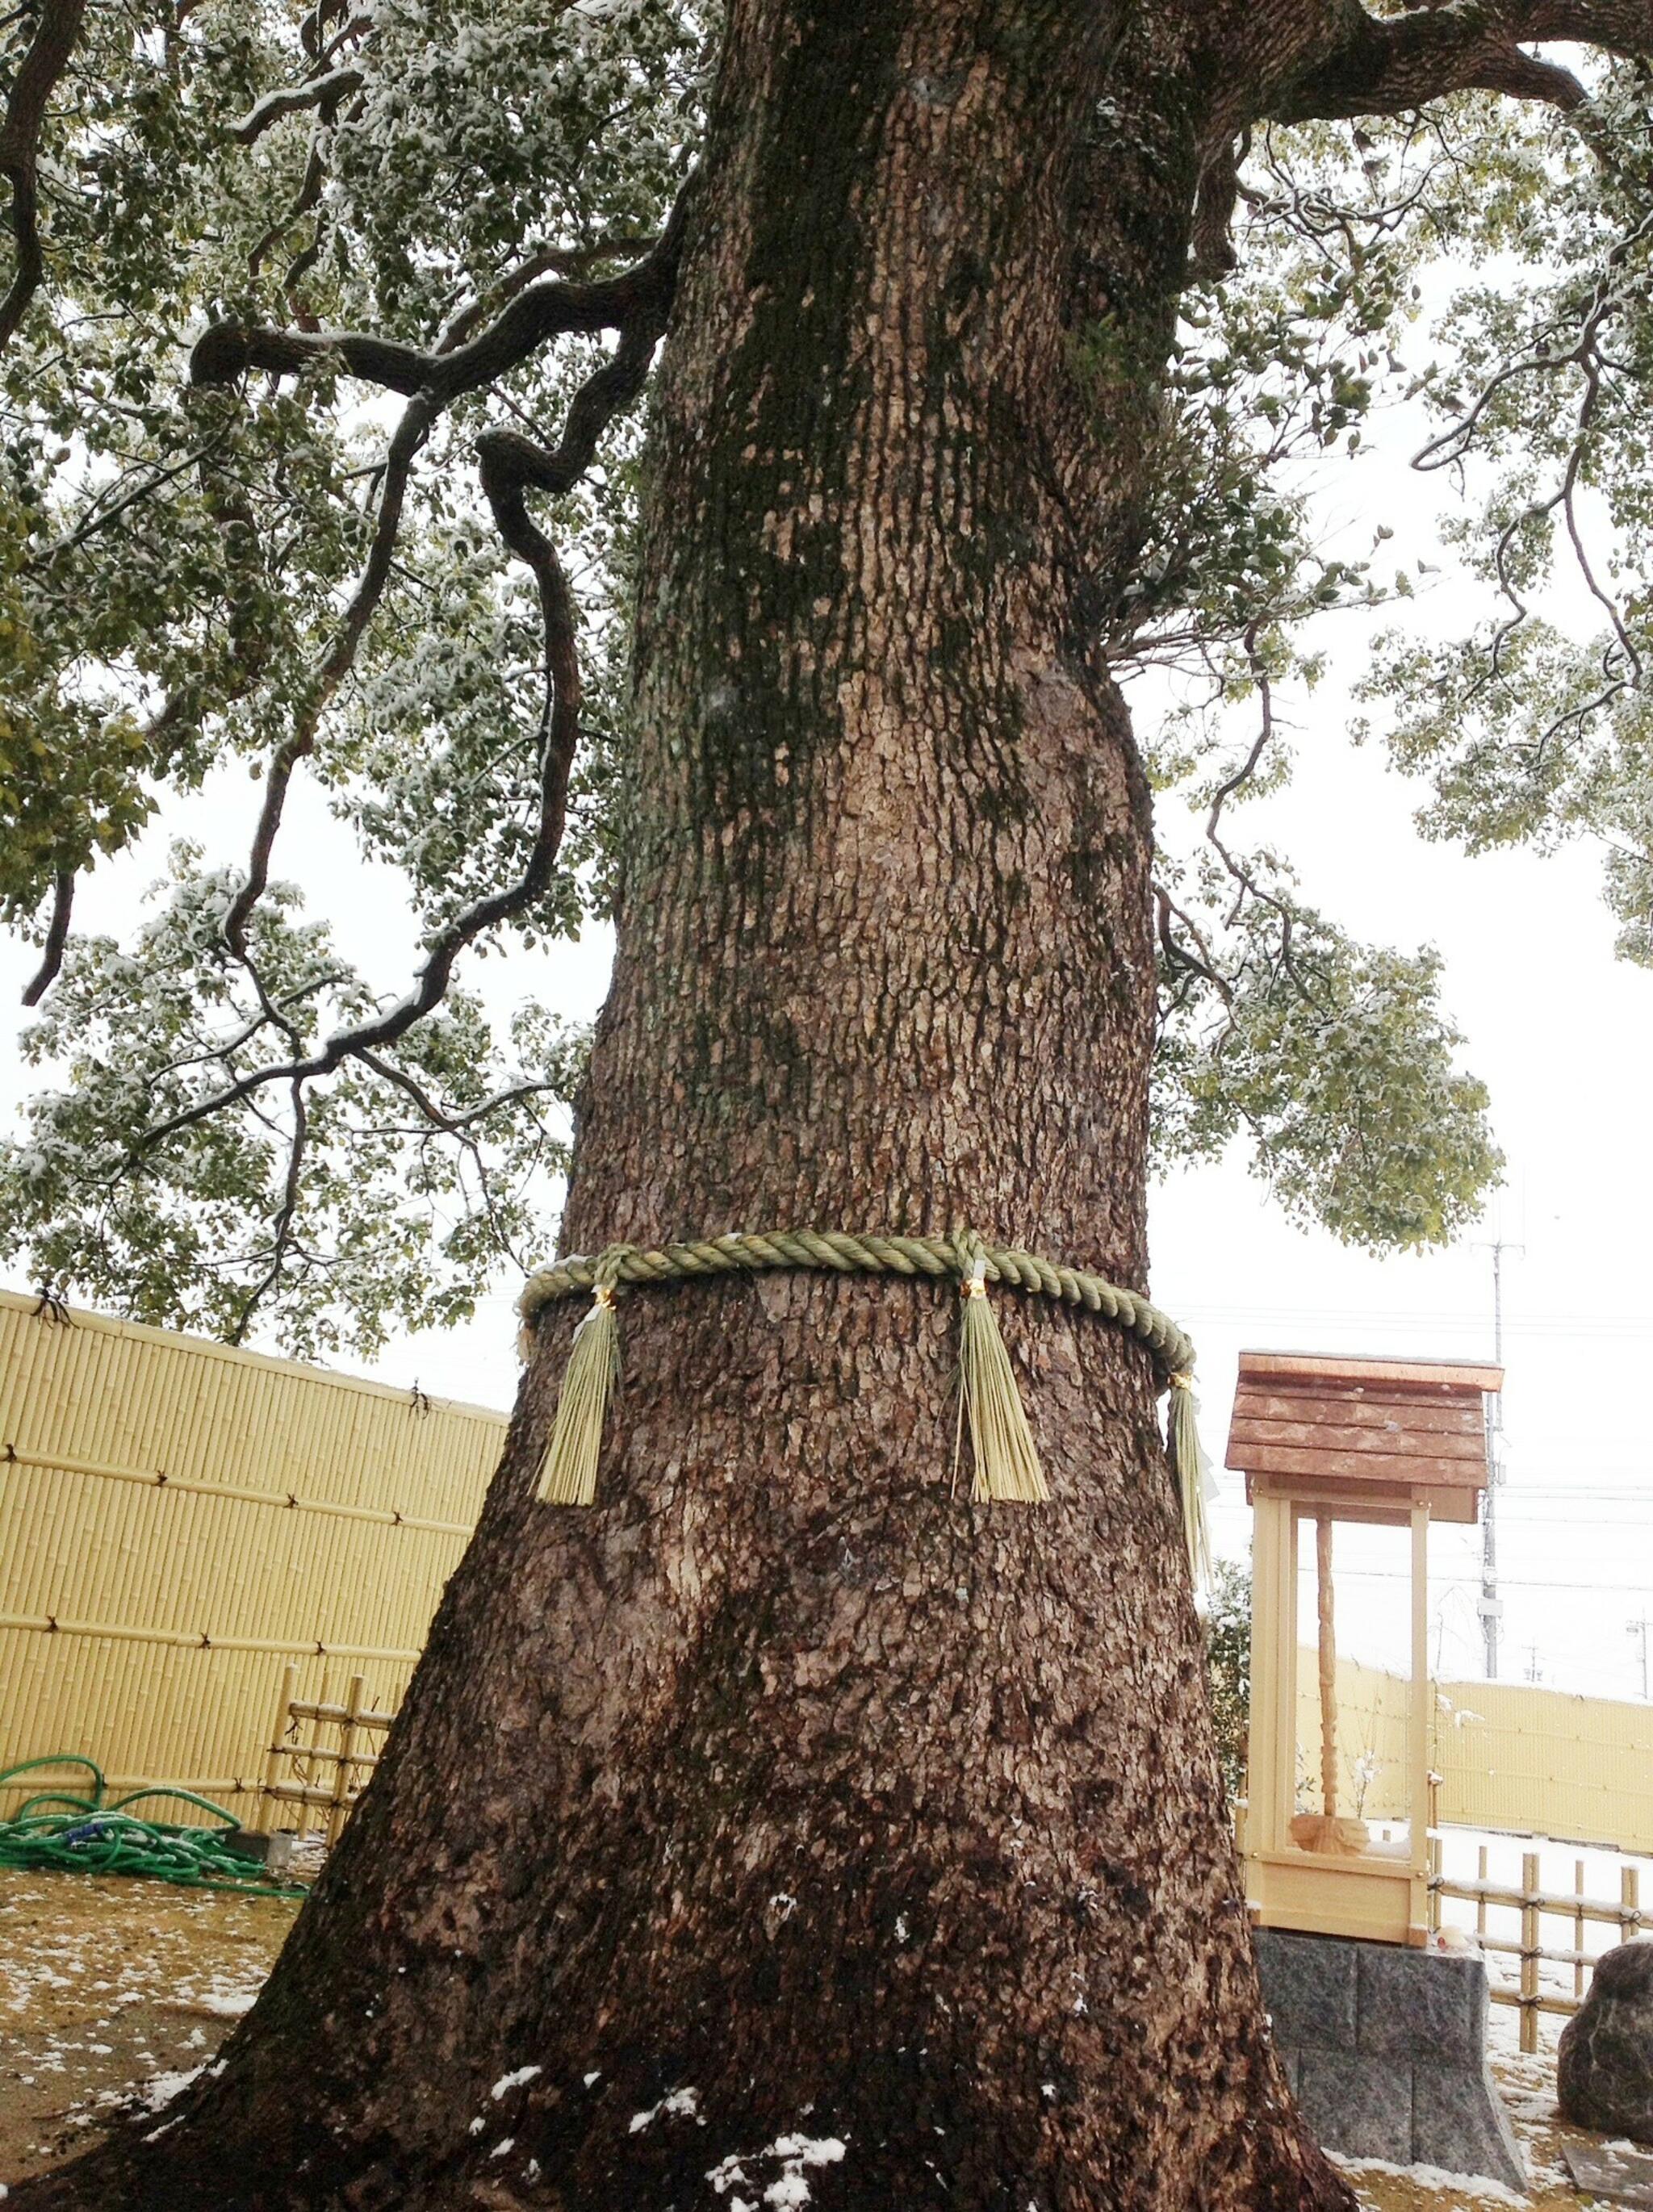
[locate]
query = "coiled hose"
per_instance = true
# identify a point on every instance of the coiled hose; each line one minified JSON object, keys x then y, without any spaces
{"x":66,"y":1831}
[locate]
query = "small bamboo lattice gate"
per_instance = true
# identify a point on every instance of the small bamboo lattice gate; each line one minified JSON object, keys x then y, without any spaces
{"x":322,"y":1778}
{"x":1533,"y":1904}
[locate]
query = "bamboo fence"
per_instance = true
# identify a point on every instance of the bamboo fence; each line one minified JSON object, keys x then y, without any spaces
{"x":1511,"y":1756}
{"x":180,"y":1522}
{"x":1533,"y":1904}
{"x":178,"y":1518}
{"x":322,"y":1779}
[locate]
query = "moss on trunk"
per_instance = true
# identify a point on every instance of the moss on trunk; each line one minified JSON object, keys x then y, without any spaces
{"x":785,"y":1797}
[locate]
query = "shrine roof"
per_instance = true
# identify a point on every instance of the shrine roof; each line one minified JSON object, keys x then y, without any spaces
{"x":1319,"y":1417}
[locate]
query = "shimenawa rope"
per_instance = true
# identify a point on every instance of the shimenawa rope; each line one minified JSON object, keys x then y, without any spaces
{"x":1006,"y":1463}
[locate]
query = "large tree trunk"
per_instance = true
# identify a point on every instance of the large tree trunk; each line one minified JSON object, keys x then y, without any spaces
{"x":788,"y":1793}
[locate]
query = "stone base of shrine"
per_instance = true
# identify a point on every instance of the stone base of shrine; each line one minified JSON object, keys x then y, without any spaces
{"x":1385,"y":2049}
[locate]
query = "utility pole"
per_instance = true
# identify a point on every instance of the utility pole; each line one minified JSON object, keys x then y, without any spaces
{"x":1534,"y":1672}
{"x":1641,"y":1628}
{"x":1491,"y":1605}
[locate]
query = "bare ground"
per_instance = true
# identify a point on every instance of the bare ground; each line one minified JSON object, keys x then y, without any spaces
{"x":113,"y":1991}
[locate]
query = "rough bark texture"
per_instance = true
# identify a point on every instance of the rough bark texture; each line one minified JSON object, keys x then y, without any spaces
{"x":786,"y":1793}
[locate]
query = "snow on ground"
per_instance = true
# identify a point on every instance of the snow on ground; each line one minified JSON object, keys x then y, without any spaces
{"x":1528,"y":2084}
{"x":115,"y":1990}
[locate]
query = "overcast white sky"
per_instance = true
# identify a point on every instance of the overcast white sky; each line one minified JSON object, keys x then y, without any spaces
{"x":1560,"y":1032}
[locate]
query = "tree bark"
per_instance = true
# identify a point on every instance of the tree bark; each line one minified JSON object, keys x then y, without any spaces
{"x":788,"y":1823}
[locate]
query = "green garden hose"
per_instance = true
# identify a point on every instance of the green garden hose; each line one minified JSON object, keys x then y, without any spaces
{"x":83,"y":1835}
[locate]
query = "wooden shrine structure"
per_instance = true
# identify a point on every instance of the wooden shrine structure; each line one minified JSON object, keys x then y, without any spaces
{"x":1397,"y":1442}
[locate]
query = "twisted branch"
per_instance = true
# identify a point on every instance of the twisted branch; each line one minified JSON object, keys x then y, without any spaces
{"x":511,"y":466}
{"x":1388,"y":66}
{"x":324,"y":92}
{"x":552,"y":309}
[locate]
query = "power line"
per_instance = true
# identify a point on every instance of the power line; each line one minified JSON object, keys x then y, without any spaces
{"x":1593,"y":1525}
{"x":1546,"y":1493}
{"x":1510,"y":1582}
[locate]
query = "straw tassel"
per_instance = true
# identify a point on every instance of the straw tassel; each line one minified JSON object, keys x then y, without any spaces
{"x":568,"y":1475}
{"x":1193,"y":1472}
{"x":1001,"y":1444}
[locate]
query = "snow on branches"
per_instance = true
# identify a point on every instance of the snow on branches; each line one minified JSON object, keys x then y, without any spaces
{"x":319,"y":362}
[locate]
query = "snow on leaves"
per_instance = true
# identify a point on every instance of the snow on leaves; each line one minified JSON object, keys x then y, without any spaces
{"x":175,"y":560}
{"x":418,"y":1166}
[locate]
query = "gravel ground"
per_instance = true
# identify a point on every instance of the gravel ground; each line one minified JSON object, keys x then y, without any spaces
{"x":114,"y":1991}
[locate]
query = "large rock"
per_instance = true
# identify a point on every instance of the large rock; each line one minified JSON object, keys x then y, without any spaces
{"x":1604,"y":2076}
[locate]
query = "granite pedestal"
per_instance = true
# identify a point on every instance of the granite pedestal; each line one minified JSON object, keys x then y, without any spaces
{"x":1385,"y":2049}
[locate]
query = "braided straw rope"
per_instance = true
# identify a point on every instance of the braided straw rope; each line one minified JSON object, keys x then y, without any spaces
{"x":836,"y":1251}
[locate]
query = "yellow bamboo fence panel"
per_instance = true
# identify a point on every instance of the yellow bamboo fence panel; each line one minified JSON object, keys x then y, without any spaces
{"x":179,"y":1521}
{"x":1585,"y":1764}
{"x":1511,"y":1756}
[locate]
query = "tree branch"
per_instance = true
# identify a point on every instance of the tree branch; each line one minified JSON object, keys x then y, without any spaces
{"x":307,"y":196}
{"x":458,"y":1127}
{"x":324,"y":92}
{"x":1543,"y":356}
{"x":1202,"y":962}
{"x":286,"y":1216}
{"x":510,"y":465}
{"x":444,"y":1118}
{"x":431,"y":983}
{"x":1244,"y":877}
{"x":56,"y":937}
{"x":1388,"y":65}
{"x":640,"y":293}
{"x":550,"y":261}
{"x":1212,"y":253}
{"x":411,"y":433}
{"x":19,"y":150}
